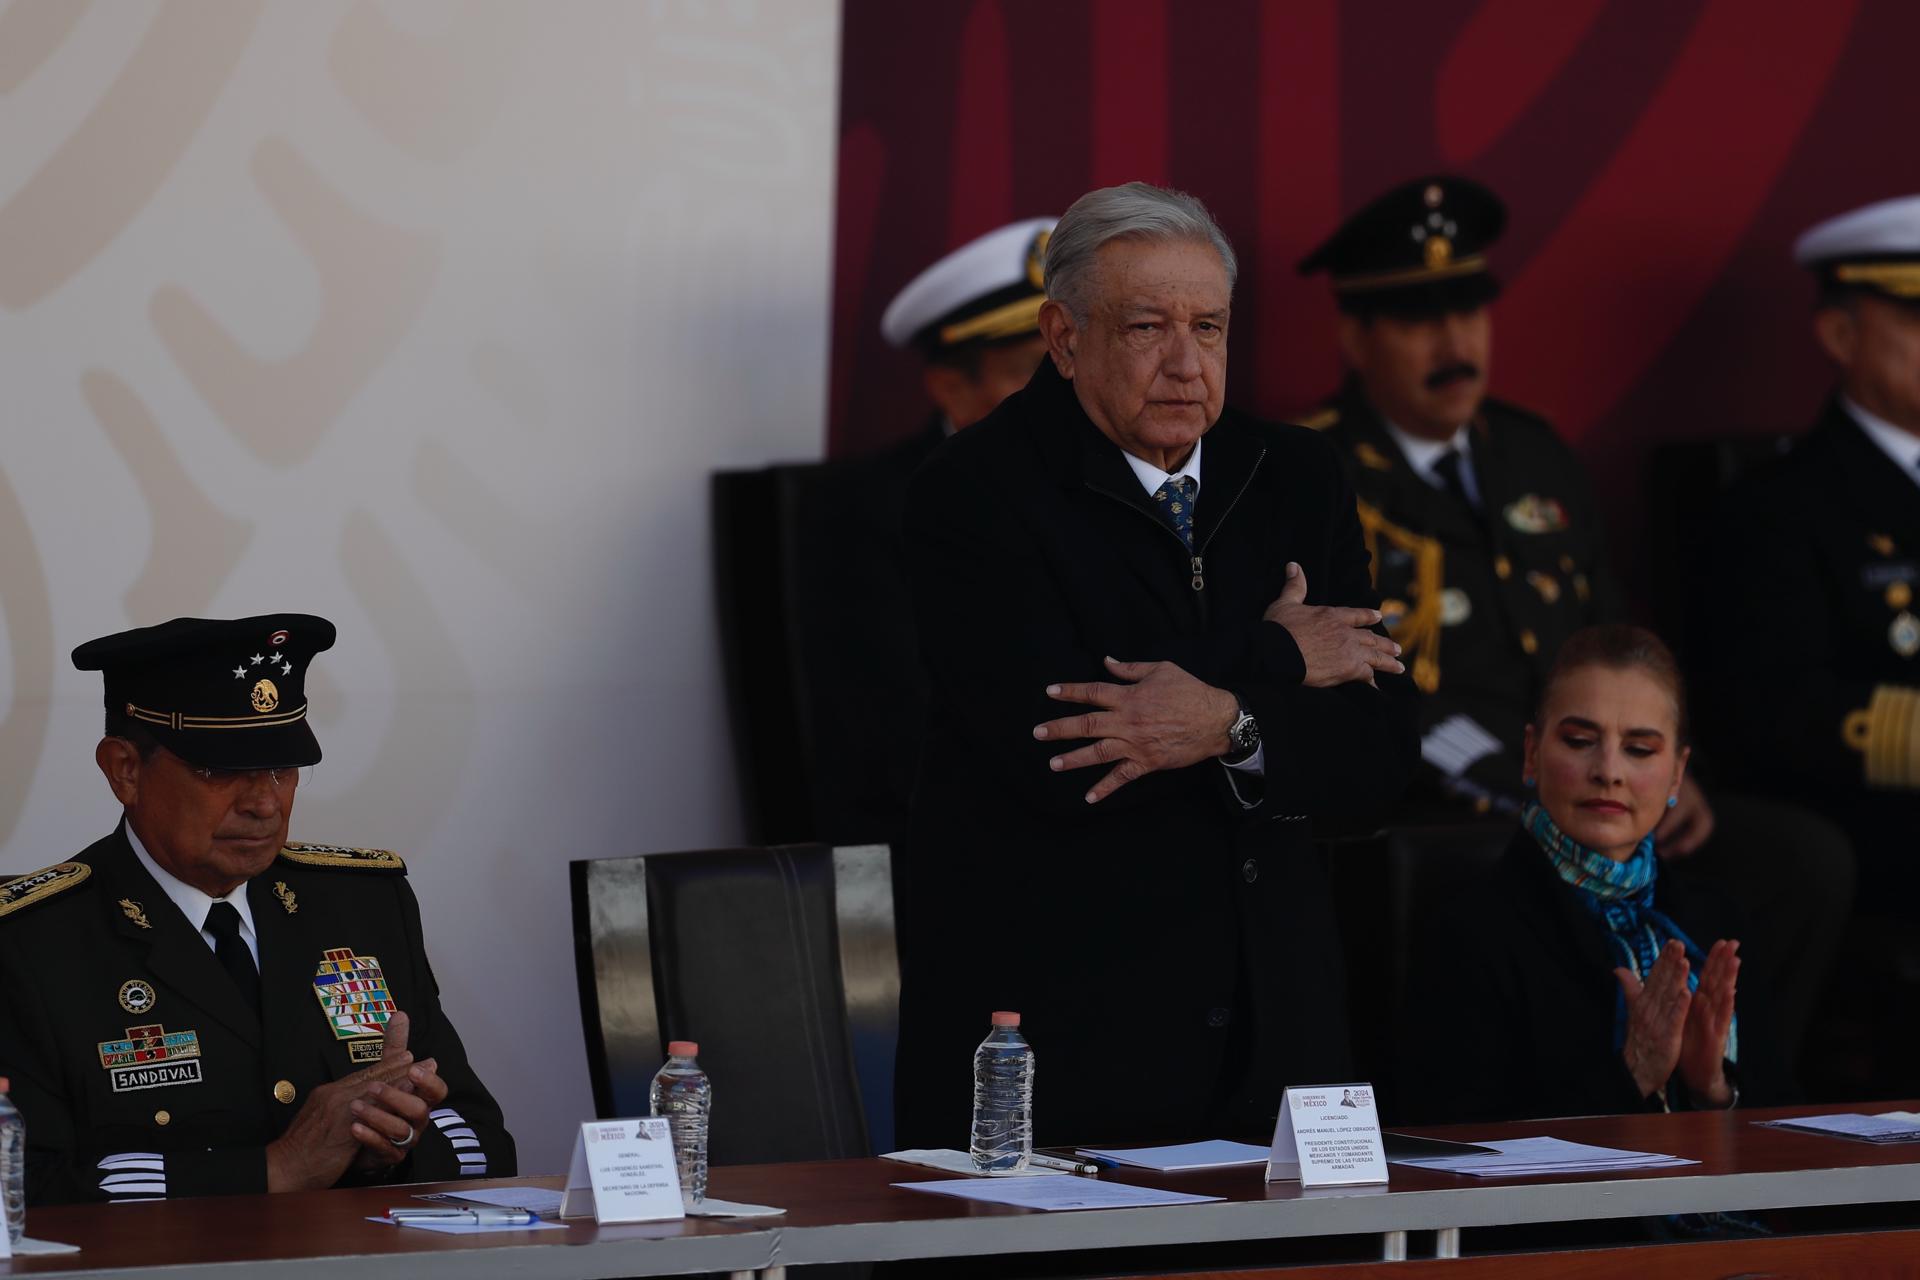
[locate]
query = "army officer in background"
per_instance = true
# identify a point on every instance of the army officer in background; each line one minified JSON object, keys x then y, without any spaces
{"x":195,"y":1006}
{"x":1488,"y":552}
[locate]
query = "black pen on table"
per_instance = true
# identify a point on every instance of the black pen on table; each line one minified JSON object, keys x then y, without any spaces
{"x":1040,"y":1160}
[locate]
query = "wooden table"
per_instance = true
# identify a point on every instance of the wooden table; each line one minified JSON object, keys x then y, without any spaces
{"x":848,"y":1211}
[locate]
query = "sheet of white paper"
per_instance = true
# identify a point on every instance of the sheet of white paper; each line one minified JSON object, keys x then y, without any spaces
{"x":1889,"y":1126}
{"x":949,"y":1161}
{"x":711,"y":1208}
{"x":1523,"y":1157}
{"x":1056,"y":1193}
{"x":466,"y":1228}
{"x":1217,"y":1154}
{"x":27,"y":1247}
{"x":538,"y":1199}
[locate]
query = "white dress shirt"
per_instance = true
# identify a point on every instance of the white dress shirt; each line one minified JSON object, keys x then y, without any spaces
{"x":1422,"y":453}
{"x":1902,"y":446}
{"x":193,"y":903}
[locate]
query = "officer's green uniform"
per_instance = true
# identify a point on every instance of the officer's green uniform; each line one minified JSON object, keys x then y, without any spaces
{"x":142,"y":1072}
{"x":150,"y":1058}
{"x":1479,"y":601}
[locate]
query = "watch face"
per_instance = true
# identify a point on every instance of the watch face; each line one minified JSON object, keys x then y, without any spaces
{"x":1245,"y":732}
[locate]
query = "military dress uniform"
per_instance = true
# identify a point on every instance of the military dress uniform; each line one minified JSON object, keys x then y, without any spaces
{"x":1816,"y":571}
{"x":1479,"y":599}
{"x":861,"y":690}
{"x":1817,"y":567}
{"x":142,"y":1071}
{"x":150,"y":1059}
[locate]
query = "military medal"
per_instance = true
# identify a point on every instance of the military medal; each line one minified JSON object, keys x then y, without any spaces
{"x":1904,"y":634}
{"x":1535,"y":514}
{"x":136,"y":996}
{"x":151,"y":1057}
{"x":1455,"y":607}
{"x":353,"y":994}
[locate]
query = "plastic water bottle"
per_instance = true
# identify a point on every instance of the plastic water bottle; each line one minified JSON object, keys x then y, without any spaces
{"x":683,"y":1096}
{"x":1002,"y":1098}
{"x":13,"y":1163}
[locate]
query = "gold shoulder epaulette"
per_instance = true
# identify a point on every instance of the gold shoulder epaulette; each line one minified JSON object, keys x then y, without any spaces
{"x":22,"y":892}
{"x":1319,"y":420}
{"x":340,"y":855}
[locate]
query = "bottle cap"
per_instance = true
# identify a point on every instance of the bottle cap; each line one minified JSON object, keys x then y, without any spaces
{"x":682,"y":1049}
{"x":1004,"y":1019}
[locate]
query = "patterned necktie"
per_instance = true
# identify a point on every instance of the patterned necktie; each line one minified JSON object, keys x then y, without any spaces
{"x":1174,"y":499}
{"x":1447,"y":467}
{"x":223,"y":922}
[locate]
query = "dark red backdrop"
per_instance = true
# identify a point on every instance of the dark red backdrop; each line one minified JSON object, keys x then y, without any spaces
{"x":1658,"y":157}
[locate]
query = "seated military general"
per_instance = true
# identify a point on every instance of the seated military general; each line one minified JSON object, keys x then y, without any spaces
{"x":1150,"y":641}
{"x":195,"y":1006}
{"x":1559,"y":983}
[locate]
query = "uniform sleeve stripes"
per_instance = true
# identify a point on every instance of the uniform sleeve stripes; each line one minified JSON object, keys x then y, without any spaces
{"x":1456,"y":744}
{"x":466,"y":1144}
{"x":133,"y":1173}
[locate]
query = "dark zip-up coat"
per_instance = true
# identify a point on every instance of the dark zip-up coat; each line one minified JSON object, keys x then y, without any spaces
{"x":1143,"y":936}
{"x":1511,"y":1001}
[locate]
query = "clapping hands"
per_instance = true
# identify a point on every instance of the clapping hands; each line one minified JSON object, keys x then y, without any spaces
{"x":1671,"y":1028}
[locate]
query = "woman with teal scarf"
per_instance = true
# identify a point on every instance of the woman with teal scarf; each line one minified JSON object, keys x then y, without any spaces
{"x":1569,"y":980}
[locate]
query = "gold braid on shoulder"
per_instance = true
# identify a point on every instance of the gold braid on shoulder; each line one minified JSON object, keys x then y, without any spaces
{"x":1418,"y":629}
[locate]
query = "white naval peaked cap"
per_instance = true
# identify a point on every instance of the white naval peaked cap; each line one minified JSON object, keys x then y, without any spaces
{"x":1875,"y":247}
{"x":987,"y":289}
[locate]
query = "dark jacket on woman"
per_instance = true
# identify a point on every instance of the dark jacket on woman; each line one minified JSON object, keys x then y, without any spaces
{"x":1173,"y":952}
{"x":1511,"y":998}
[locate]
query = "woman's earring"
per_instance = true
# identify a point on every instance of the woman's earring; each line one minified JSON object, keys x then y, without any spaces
{"x":1673,"y":802}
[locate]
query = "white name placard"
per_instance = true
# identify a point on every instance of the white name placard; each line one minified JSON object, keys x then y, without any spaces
{"x":623,"y":1171}
{"x":1328,"y":1137}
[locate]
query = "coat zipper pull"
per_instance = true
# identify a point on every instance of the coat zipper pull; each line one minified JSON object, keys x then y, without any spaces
{"x":1199,"y":576}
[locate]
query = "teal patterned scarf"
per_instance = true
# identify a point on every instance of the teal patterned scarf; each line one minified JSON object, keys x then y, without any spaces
{"x":1620,"y":896}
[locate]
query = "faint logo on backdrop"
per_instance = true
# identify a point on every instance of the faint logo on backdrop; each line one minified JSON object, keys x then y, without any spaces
{"x":428,"y":100}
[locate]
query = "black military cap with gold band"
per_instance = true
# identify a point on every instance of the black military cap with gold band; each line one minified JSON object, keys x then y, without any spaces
{"x":220,"y":694}
{"x":1874,"y":249}
{"x":1420,"y":249}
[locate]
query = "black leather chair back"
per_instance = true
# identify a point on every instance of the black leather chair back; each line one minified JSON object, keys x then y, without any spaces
{"x":779,"y":962}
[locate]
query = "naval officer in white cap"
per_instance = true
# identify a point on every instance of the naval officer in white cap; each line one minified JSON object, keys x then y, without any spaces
{"x":972,"y":318}
{"x":1816,"y":580}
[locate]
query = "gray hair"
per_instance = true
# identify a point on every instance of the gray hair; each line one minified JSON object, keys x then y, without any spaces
{"x":1135,"y":211}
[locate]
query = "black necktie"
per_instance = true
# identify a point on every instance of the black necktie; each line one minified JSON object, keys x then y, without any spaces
{"x":223,"y":922}
{"x":1447,"y":467}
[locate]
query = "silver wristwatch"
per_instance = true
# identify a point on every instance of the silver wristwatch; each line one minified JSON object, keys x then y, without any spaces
{"x":1243,"y":734}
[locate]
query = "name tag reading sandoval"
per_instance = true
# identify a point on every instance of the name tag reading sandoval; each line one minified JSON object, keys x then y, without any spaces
{"x":623,"y":1171}
{"x":1328,"y":1137}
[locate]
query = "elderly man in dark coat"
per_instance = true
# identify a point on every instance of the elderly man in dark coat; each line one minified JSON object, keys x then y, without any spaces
{"x":1155,"y":662}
